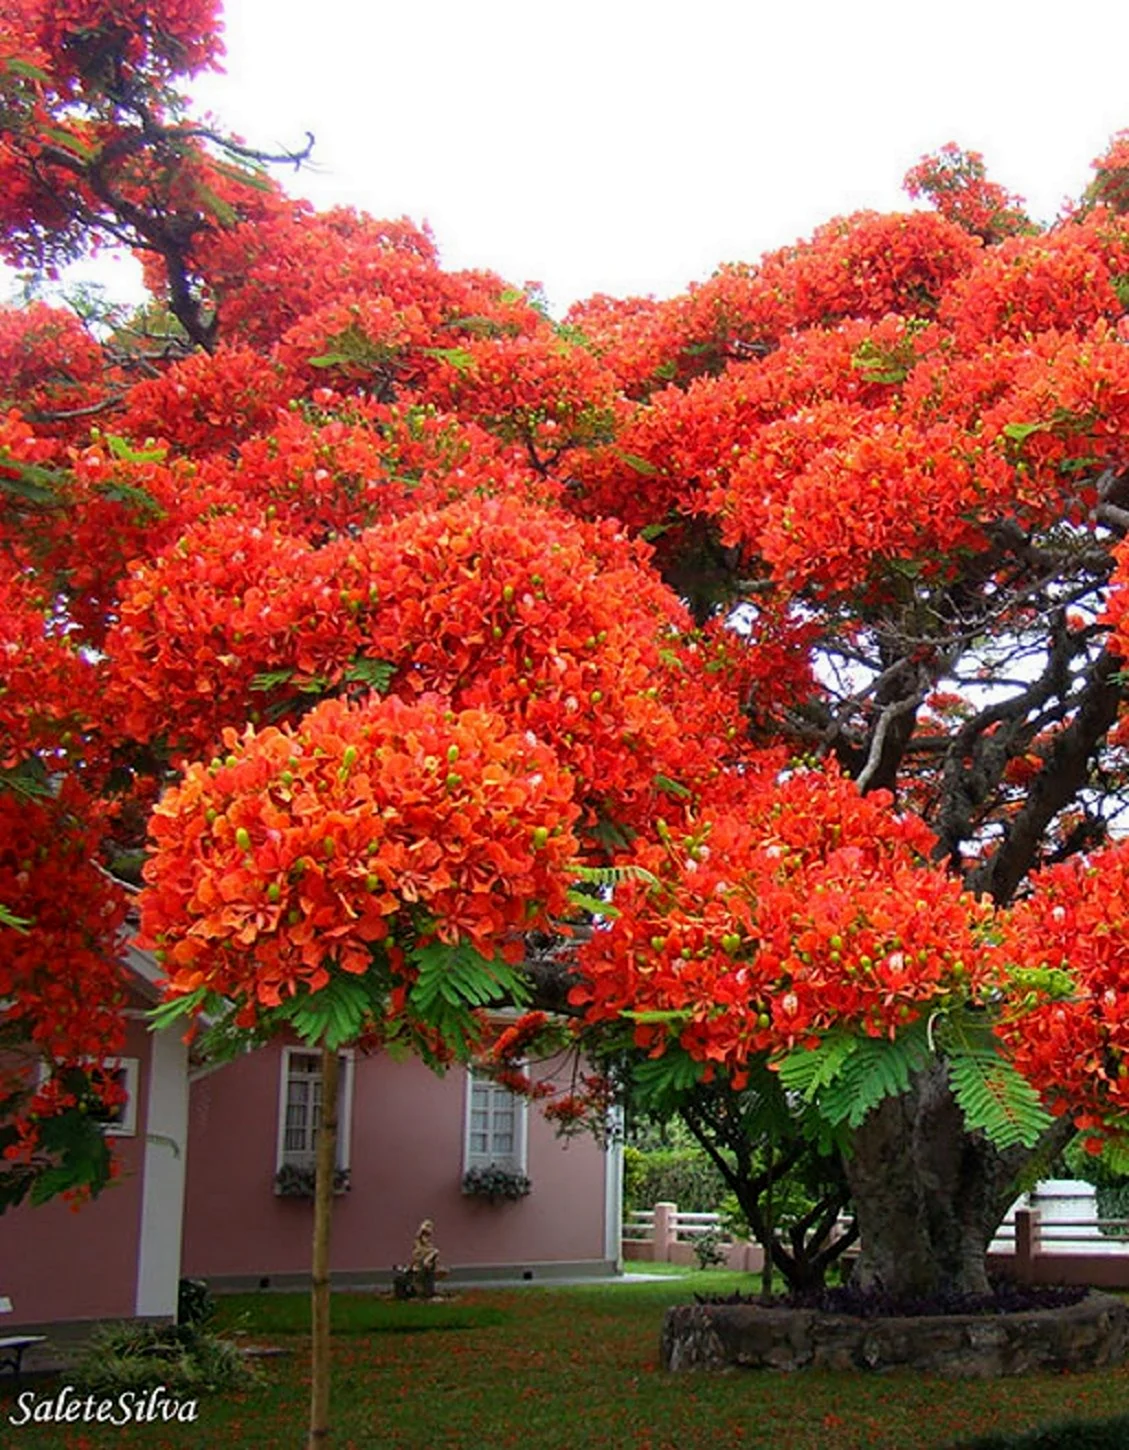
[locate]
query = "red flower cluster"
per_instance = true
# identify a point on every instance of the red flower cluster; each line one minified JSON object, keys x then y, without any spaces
{"x":540,"y":392}
{"x":198,"y":625}
{"x":1110,"y":186}
{"x":795,"y":907}
{"x":558,"y":625}
{"x":45,"y":684}
{"x":85,"y":39}
{"x":341,"y":464}
{"x":207,"y":402}
{"x":1076,"y":1050}
{"x":61,"y":980}
{"x":1027,"y":285}
{"x":957,"y":184}
{"x":49,"y":364}
{"x":304,"y":848}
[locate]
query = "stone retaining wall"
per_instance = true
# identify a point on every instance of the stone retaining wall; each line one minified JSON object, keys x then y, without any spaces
{"x":1089,"y":1335}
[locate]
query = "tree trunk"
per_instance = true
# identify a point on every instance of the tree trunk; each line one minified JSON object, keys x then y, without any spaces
{"x":323,"y":1213}
{"x":928,"y":1195}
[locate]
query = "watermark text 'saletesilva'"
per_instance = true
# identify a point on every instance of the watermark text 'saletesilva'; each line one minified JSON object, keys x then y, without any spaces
{"x":131,"y":1407}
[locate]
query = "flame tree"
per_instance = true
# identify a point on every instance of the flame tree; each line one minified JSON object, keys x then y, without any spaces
{"x":795,"y":605}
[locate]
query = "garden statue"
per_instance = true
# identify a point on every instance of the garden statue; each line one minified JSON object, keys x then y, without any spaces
{"x":416,"y":1279}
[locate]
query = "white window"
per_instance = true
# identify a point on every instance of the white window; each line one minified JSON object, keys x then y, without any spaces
{"x":121,"y":1121}
{"x":496,"y":1126}
{"x":299,"y":1107}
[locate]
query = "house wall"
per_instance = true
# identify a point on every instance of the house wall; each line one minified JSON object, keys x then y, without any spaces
{"x":60,"y":1263}
{"x":406,"y":1161}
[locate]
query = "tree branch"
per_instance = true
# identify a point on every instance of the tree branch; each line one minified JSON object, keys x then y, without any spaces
{"x":1062,"y":776}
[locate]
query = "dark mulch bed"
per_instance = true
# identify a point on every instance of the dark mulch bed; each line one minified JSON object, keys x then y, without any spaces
{"x":1005,"y":1297}
{"x":1066,"y":1435}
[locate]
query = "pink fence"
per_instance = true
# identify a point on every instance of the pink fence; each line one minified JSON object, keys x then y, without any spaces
{"x":1034,"y":1250}
{"x":663,"y":1235}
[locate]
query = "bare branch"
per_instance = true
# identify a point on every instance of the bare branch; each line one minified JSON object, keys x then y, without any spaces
{"x":886,"y":720}
{"x":1059,"y":781}
{"x":62,"y":415}
{"x":1113,"y":515}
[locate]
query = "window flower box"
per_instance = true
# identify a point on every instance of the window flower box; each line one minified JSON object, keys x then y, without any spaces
{"x":495,"y":1184}
{"x":296,"y":1180}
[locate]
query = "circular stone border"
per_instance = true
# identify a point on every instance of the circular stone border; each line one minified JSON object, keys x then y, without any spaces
{"x":1092,"y":1334}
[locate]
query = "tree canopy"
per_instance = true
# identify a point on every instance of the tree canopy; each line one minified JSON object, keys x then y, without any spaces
{"x":374,"y":620}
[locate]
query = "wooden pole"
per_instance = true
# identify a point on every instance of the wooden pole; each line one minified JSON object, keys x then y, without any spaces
{"x":323,"y":1214}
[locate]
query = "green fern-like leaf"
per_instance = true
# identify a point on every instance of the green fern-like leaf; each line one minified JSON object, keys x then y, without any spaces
{"x":29,"y":779}
{"x":223,"y":1040}
{"x":453,"y":981}
{"x":377,"y":674}
{"x":138,"y":499}
{"x":593,"y":904}
{"x":806,"y":1070}
{"x":1115,"y":1156}
{"x":611,"y":835}
{"x":877,"y":1068}
{"x":993,"y":1095}
{"x":30,"y":484}
{"x":614,"y":875}
{"x":633,"y":461}
{"x":174,"y":1008}
{"x":661,"y":1081}
{"x":669,"y":786}
{"x":333,"y":1015}
{"x":271,"y":679}
{"x":767,"y":1108}
{"x":127,"y":452}
{"x":457,"y":357}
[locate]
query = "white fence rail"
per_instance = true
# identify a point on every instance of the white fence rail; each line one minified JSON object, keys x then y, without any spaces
{"x":687,"y":1226}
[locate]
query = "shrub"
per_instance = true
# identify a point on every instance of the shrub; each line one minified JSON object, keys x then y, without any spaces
{"x":1064,"y":1435}
{"x":684,"y":1176}
{"x":194,"y":1302}
{"x":184,"y":1358}
{"x":634,"y":1171}
{"x":1111,"y":1188}
{"x":709,"y":1249}
{"x":733,"y":1219}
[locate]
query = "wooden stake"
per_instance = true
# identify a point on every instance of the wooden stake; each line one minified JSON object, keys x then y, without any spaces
{"x":323,"y":1215}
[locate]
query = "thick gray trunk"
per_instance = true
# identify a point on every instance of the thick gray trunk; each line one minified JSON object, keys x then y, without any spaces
{"x":927,"y":1194}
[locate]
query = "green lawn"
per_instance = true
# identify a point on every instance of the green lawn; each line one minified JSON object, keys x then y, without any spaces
{"x":567,"y":1369}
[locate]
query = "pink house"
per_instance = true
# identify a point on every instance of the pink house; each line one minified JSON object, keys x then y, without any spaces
{"x":407,"y":1138}
{"x":196,"y":1196}
{"x":118,"y":1256}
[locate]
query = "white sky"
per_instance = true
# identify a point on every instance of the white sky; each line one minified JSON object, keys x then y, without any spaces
{"x":630,"y":146}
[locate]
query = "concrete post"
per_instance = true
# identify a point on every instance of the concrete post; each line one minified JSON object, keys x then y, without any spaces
{"x":665,"y":1231}
{"x":1026,"y":1243}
